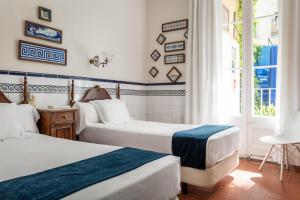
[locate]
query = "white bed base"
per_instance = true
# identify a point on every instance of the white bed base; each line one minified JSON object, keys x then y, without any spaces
{"x":211,"y":176}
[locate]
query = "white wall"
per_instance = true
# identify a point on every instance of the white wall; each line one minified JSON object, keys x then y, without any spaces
{"x":89,"y":27}
{"x":159,"y":12}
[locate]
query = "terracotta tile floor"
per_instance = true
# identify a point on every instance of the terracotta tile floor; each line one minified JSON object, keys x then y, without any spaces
{"x":246,"y":183}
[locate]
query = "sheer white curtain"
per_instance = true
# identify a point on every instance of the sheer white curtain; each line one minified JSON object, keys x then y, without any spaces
{"x":288,"y":94}
{"x":204,"y":62}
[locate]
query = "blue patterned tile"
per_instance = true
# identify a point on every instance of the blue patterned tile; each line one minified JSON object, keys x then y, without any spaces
{"x":50,"y":76}
{"x":20,"y":73}
{"x":54,"y":89}
{"x":77,"y":77}
{"x":63,"y":76}
{"x":41,"y":53}
{"x":17,"y":73}
{"x":158,"y":84}
{"x":11,"y":88}
{"x":4,"y":72}
{"x":34,"y":74}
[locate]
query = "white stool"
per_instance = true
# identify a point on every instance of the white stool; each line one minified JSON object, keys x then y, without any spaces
{"x":280,"y":143}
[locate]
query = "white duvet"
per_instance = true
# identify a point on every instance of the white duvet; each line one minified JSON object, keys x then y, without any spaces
{"x":157,"y":180}
{"x":157,"y":136}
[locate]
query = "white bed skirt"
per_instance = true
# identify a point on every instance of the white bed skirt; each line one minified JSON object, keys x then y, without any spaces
{"x":211,"y":176}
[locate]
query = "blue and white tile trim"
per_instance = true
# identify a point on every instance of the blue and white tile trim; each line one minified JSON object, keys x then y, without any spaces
{"x":54,"y":89}
{"x":57,"y":89}
{"x":163,"y":102}
{"x":58,"y":76}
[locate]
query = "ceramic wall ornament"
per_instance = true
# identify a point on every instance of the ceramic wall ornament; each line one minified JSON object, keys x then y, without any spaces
{"x":176,"y":25}
{"x":161,"y":39}
{"x":42,"y":53}
{"x":45,"y":14}
{"x":155,"y":55}
{"x":153,"y":72}
{"x":186,"y":34}
{"x":43,"y":32}
{"x":174,"y":75}
{"x":174,"y":59}
{"x":175,"y":46}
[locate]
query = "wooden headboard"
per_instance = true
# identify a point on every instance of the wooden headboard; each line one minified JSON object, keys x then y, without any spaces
{"x":4,"y":99}
{"x":93,"y":93}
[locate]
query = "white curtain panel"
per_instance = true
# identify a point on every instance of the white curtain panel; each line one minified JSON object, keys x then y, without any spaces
{"x":288,"y":94}
{"x":288,"y":78}
{"x":204,"y":62}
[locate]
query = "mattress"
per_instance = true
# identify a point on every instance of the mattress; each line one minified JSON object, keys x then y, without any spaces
{"x":159,"y":179}
{"x":157,"y":136}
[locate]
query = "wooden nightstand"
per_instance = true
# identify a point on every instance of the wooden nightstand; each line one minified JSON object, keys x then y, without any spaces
{"x":59,"y":123}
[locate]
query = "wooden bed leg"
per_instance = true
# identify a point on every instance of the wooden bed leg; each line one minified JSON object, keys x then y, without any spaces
{"x":184,"y":188}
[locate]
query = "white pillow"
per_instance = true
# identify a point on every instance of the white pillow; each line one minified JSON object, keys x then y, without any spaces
{"x":112,"y":111}
{"x":9,"y":123}
{"x":87,"y":114}
{"x":28,"y":117}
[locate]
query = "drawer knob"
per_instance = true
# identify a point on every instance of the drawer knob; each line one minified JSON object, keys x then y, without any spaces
{"x":64,"y":116}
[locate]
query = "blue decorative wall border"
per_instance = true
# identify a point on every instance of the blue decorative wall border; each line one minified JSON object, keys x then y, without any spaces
{"x":54,"y":89}
{"x":58,"y":76}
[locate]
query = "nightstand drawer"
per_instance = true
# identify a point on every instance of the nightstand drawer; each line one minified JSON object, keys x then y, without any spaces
{"x":63,"y":117}
{"x":64,"y":131}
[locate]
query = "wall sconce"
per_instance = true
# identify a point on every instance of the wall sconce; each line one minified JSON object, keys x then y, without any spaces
{"x":103,"y":60}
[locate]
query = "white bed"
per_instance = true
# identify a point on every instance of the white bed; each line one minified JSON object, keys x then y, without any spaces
{"x":25,"y":152}
{"x":157,"y":136}
{"x":221,"y":151}
{"x":159,"y":179}
{"x":104,"y":120}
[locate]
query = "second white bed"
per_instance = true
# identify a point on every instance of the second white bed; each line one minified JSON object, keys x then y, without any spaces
{"x":155,"y":180}
{"x":157,"y":136}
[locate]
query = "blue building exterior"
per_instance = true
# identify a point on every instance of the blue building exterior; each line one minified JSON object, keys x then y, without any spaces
{"x":266,"y":77}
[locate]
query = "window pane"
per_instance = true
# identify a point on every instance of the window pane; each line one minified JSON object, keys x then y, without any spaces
{"x":265,"y":7}
{"x":225,"y":18}
{"x":232,"y":56}
{"x":265,"y":52}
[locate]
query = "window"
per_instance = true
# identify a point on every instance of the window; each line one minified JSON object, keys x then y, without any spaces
{"x":225,"y":18}
{"x":233,"y":59}
{"x":234,"y":26}
{"x":262,"y":96}
{"x":265,"y":51}
{"x":232,"y":65}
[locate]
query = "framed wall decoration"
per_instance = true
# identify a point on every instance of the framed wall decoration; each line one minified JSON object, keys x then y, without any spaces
{"x":45,"y":14}
{"x":155,"y":55}
{"x":41,"y":53}
{"x":174,"y":74}
{"x":175,"y":58}
{"x":175,"y":46}
{"x":153,"y":72}
{"x":43,"y":32}
{"x":174,"y":26}
{"x":186,"y":34}
{"x":161,"y":39}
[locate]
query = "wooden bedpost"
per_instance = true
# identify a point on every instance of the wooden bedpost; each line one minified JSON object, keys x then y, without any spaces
{"x":72,"y":94}
{"x":25,"y":91}
{"x":118,"y":91}
{"x":184,"y":188}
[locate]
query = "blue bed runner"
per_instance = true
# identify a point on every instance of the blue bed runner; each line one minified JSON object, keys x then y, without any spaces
{"x":62,"y":181}
{"x":190,"y":145}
